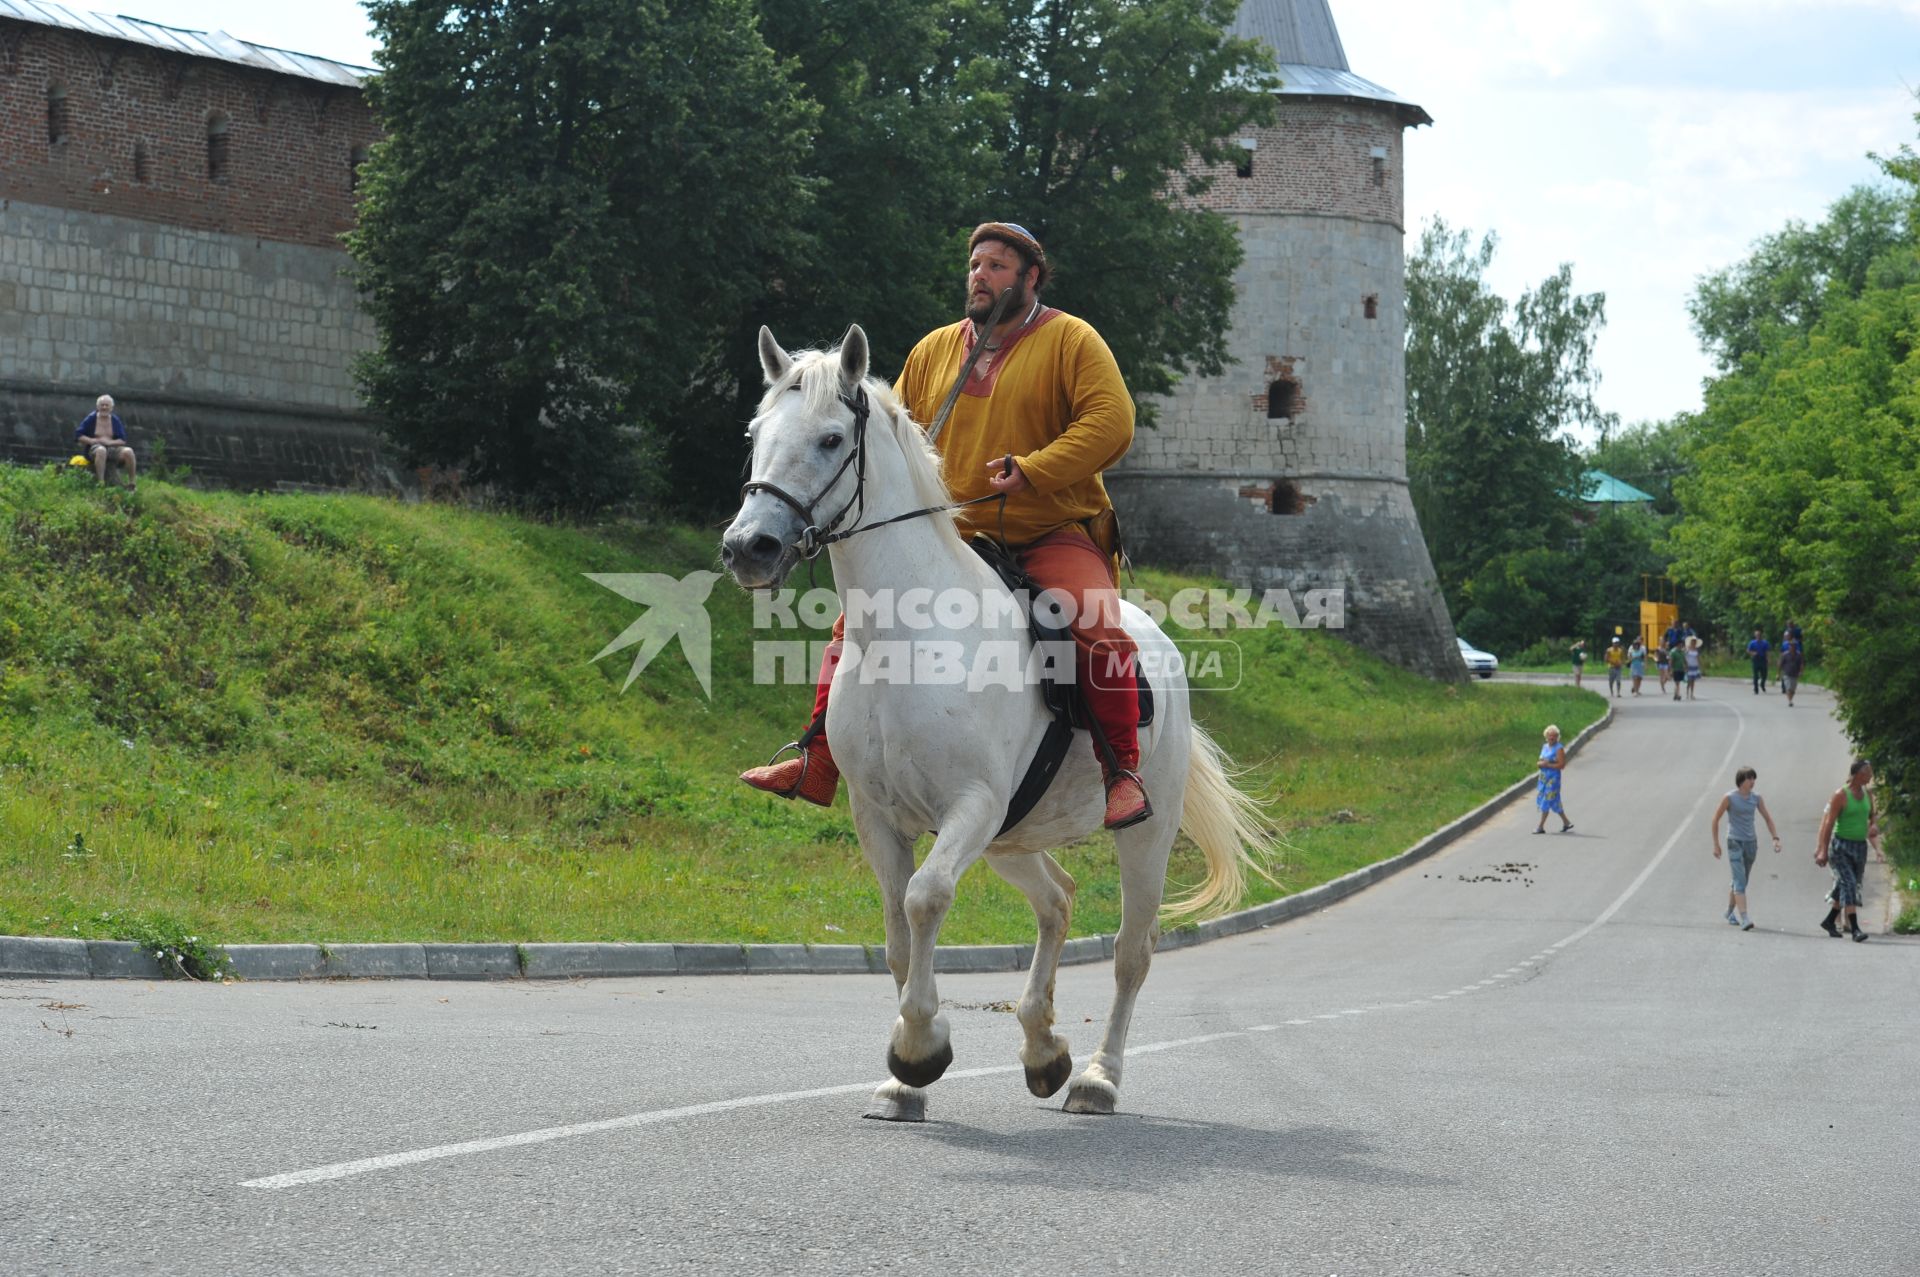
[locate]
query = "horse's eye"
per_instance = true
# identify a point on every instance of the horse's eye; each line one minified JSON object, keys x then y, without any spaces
{"x":831,"y":442}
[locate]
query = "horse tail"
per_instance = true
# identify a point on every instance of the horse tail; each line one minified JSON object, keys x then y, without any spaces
{"x":1230,"y":827}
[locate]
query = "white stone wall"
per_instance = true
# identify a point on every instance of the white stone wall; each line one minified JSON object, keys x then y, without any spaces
{"x":113,"y":305}
{"x":1301,"y":314}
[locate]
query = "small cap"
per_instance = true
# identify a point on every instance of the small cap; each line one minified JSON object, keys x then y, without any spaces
{"x":1013,"y":233}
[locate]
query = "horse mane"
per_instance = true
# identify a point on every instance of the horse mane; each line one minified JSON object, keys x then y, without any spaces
{"x":818,"y":374}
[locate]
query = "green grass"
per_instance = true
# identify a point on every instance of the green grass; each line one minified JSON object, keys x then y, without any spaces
{"x":274,"y":718}
{"x":1903,"y":862}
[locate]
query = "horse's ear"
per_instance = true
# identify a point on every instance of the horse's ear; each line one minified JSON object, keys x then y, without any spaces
{"x":853,"y":356}
{"x":773,"y":360}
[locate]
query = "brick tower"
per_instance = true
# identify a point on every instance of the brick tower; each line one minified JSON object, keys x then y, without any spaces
{"x":1289,"y":470}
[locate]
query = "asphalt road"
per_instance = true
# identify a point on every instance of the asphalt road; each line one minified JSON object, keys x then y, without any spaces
{"x":1525,"y":1055}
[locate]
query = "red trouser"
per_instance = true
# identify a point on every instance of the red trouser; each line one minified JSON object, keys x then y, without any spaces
{"x":1066,"y":561}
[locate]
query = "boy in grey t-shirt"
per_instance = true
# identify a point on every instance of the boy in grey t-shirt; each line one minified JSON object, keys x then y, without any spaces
{"x":1738,"y":806}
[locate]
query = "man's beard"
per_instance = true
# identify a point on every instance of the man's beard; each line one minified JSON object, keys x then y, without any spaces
{"x":978,"y":309}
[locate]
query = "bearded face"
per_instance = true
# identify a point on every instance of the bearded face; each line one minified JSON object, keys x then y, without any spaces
{"x":993,"y":268}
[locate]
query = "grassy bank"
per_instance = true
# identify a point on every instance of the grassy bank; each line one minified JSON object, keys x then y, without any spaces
{"x":1903,"y":859}
{"x":260,"y":718}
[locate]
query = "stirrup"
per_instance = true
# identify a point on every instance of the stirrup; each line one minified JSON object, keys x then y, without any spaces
{"x":814,"y":785}
{"x":806,"y":762}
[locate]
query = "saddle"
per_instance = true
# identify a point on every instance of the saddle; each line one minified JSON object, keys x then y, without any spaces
{"x":1064,"y":701}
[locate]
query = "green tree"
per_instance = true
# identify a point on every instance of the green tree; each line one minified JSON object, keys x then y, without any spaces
{"x":1804,"y":496}
{"x":563,"y":217}
{"x":1490,"y":388}
{"x":1617,"y":550}
{"x":1076,"y":118}
{"x":1518,"y":597}
{"x":898,"y":162}
{"x":1787,"y":280}
{"x":1110,"y":102}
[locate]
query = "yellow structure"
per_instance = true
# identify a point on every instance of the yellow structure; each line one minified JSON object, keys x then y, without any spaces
{"x":1659,"y":608}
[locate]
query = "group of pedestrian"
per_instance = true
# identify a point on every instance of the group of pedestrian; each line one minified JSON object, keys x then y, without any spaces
{"x":1793,"y":659}
{"x":1678,"y":659}
{"x":1629,"y":661}
{"x":1849,"y":831}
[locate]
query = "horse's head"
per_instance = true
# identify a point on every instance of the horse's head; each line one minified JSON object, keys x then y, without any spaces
{"x":806,"y":465}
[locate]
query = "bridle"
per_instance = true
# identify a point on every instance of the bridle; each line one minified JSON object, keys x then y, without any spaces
{"x":813,"y":537}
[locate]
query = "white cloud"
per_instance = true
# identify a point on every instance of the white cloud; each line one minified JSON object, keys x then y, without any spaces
{"x":1646,"y":143}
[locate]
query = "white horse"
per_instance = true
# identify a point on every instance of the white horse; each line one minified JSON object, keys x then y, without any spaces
{"x":922,"y":750}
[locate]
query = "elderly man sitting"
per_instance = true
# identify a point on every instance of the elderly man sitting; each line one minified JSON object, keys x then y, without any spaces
{"x":102,"y":439}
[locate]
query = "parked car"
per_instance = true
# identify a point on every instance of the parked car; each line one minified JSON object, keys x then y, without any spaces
{"x":1478,"y":662}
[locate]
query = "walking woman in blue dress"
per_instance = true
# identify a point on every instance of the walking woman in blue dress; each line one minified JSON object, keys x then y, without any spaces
{"x":1553,"y":760}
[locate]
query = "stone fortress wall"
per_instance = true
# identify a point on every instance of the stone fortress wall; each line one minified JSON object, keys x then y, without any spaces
{"x":1288,"y":470}
{"x":169,"y":235}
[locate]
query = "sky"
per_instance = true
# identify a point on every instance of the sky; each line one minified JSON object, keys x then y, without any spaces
{"x":1645,"y":142}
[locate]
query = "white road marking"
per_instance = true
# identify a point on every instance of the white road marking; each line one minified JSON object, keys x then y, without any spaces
{"x":340,"y":1170}
{"x":365,"y":1165}
{"x":1686,"y":825}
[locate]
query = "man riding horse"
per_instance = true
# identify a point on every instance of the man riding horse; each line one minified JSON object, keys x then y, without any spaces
{"x":1042,"y":412}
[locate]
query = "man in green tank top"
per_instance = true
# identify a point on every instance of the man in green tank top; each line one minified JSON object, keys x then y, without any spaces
{"x":1847,"y":829}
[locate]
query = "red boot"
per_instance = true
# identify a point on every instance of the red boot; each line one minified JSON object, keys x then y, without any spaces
{"x":1126,"y":800}
{"x":811,"y":776}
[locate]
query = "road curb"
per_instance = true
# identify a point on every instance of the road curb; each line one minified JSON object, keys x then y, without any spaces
{"x":73,"y":959}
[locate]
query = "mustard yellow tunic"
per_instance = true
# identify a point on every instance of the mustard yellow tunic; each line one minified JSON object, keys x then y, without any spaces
{"x":1052,"y":396}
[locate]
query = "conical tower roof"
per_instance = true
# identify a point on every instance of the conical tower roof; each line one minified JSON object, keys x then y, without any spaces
{"x":1306,"y":44}
{"x":1300,"y":32}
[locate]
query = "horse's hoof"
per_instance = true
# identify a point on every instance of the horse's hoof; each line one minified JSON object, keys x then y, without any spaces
{"x":898,"y":1108}
{"x":920,"y":1072}
{"x":1045,"y":1081}
{"x":1091,"y":1097}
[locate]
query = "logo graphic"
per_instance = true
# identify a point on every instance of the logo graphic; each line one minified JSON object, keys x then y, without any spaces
{"x":674,"y":609}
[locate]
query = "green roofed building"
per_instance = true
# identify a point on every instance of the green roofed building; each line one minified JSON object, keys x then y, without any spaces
{"x":1598,"y":488}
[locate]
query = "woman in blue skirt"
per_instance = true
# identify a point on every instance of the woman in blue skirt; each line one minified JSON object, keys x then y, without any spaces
{"x":1553,"y":760}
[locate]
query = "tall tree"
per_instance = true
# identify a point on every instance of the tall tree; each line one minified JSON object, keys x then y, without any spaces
{"x":1803,"y":500}
{"x":1076,"y":118}
{"x":562,"y":217}
{"x":1111,"y":101}
{"x":1785,"y":282}
{"x":1490,"y":388}
{"x":899,"y":161}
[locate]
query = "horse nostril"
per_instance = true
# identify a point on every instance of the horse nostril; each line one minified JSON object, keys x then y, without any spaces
{"x":726,"y":554}
{"x":765,"y":547}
